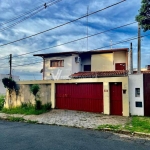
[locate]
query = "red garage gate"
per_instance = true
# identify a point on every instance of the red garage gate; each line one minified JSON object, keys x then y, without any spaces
{"x":80,"y":96}
{"x":116,"y":98}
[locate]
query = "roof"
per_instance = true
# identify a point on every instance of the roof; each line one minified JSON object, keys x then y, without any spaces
{"x":144,"y":72}
{"x":82,"y":52}
{"x":97,"y":74}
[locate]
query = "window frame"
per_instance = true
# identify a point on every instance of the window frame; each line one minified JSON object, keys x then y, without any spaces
{"x":137,"y":92}
{"x":56,"y":63}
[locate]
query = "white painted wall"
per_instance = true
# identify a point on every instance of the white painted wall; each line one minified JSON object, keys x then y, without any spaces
{"x":56,"y":73}
{"x":76,"y":67}
{"x":136,"y":81}
{"x":2,"y":89}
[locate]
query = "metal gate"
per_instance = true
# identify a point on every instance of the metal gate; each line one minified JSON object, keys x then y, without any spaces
{"x":80,"y":96}
{"x":146,"y":94}
{"x":116,"y":98}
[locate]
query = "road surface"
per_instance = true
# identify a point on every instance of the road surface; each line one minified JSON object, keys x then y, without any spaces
{"x":24,"y":136}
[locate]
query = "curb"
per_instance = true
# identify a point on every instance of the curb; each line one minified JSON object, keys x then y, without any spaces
{"x":126,"y":132}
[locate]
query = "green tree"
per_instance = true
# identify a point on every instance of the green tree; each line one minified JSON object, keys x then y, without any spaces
{"x":144,"y":15}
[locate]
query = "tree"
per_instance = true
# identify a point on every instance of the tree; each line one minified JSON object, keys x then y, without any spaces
{"x":144,"y":15}
{"x":11,"y":85}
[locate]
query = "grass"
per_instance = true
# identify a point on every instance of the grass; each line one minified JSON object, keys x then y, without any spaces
{"x":2,"y":100}
{"x":19,"y":119}
{"x":137,"y":124}
{"x":27,"y":110}
{"x":16,"y":119}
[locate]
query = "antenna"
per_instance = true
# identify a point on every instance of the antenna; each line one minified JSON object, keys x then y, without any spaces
{"x":87,"y":27}
{"x":111,"y":43}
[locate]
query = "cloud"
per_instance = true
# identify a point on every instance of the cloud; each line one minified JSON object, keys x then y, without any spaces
{"x":60,"y":13}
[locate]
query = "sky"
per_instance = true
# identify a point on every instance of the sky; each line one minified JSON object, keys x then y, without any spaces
{"x":60,"y":13}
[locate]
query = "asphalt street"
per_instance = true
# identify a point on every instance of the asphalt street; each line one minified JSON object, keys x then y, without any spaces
{"x":25,"y":136}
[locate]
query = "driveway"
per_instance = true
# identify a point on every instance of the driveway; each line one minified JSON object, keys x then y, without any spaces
{"x":74,"y":118}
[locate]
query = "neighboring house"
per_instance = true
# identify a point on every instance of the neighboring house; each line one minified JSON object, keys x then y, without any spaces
{"x":2,"y":89}
{"x":63,"y":64}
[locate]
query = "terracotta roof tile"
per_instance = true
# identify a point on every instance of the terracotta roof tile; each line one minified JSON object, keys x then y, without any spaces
{"x":98,"y":74}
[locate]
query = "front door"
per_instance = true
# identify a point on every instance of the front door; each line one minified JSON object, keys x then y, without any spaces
{"x":116,"y":98}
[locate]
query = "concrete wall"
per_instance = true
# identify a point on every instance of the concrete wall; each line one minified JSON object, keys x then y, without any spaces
{"x":57,"y":73}
{"x":105,"y":81}
{"x":2,"y":89}
{"x":106,"y":62}
{"x":120,"y":57}
{"x":25,"y":96}
{"x":76,"y":66}
{"x":102,"y":62}
{"x":136,"y":81}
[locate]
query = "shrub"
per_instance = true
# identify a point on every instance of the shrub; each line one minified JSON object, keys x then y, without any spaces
{"x":47,"y":106}
{"x":2,"y":100}
{"x":38,"y":105}
{"x":34,"y":89}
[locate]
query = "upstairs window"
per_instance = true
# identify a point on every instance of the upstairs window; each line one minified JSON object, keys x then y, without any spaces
{"x":137,"y":92}
{"x":57,"y":63}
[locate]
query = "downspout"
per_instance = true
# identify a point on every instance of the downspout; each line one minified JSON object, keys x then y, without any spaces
{"x":43,"y":68}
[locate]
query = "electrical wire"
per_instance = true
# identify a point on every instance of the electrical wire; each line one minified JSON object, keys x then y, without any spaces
{"x":63,"y":24}
{"x":75,"y":40}
{"x":27,"y":17}
{"x":123,"y":41}
{"x":21,"y":15}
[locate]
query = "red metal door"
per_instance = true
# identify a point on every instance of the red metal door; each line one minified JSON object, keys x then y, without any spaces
{"x":146,"y":94}
{"x":120,"y":66}
{"x":116,"y":98}
{"x":82,"y":97}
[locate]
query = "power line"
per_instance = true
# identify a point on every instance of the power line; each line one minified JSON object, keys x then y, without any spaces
{"x":21,"y":15}
{"x":27,"y":17}
{"x":123,"y":41}
{"x":63,"y":24}
{"x":76,"y":39}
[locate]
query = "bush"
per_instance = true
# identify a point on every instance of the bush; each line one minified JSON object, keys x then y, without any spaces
{"x":47,"y":106}
{"x":34,"y":89}
{"x":2,"y":100}
{"x":38,"y":105}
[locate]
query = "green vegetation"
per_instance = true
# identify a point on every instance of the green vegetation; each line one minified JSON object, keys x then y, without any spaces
{"x":15,"y":119}
{"x":2,"y":100}
{"x":19,"y":119}
{"x":113,"y":127}
{"x":137,"y":124}
{"x":34,"y":90}
{"x":28,"y":109}
{"x":144,"y":15}
{"x":11,"y":86}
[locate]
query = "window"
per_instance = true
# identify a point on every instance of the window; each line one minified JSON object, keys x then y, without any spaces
{"x":138,"y":104}
{"x":57,"y":63}
{"x":87,"y":67}
{"x":137,"y":92}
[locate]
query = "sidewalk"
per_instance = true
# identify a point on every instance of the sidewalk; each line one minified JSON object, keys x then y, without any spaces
{"x":73,"y":118}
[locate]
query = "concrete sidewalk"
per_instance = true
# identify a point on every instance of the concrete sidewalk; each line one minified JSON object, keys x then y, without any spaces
{"x":73,"y":118}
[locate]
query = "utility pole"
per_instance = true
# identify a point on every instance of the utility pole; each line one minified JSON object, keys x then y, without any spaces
{"x":139,"y":49}
{"x":10,"y":64}
{"x":131,"y":59}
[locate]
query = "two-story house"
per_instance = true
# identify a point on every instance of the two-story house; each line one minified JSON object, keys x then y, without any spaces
{"x":64,"y":65}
